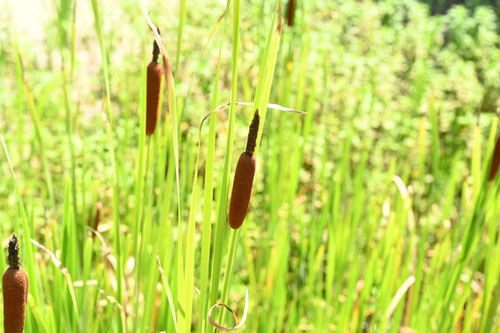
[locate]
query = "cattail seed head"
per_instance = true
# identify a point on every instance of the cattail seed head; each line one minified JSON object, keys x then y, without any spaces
{"x":243,"y":177}
{"x":15,"y":291}
{"x":495,"y":163}
{"x":242,"y":189}
{"x":290,"y":12}
{"x":154,"y":76}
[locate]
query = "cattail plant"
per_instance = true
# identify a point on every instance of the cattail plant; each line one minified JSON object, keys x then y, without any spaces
{"x":154,"y":74}
{"x":15,"y":291}
{"x":290,"y":12}
{"x":95,"y":216}
{"x":243,"y":178}
{"x":495,"y":164}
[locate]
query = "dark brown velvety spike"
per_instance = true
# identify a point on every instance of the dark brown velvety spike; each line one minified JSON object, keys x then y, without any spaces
{"x":290,"y":12}
{"x":15,"y":291}
{"x":154,"y":75}
{"x":242,"y":189}
{"x":495,"y":164}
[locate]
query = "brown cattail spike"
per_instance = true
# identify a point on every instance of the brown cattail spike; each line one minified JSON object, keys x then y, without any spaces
{"x":243,"y":177}
{"x":154,"y":75}
{"x":252,"y":132}
{"x":242,"y":189}
{"x":15,"y":291}
{"x":290,"y":12}
{"x":495,"y":163}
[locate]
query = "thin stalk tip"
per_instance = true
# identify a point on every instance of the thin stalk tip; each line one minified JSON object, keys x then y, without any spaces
{"x":13,"y":258}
